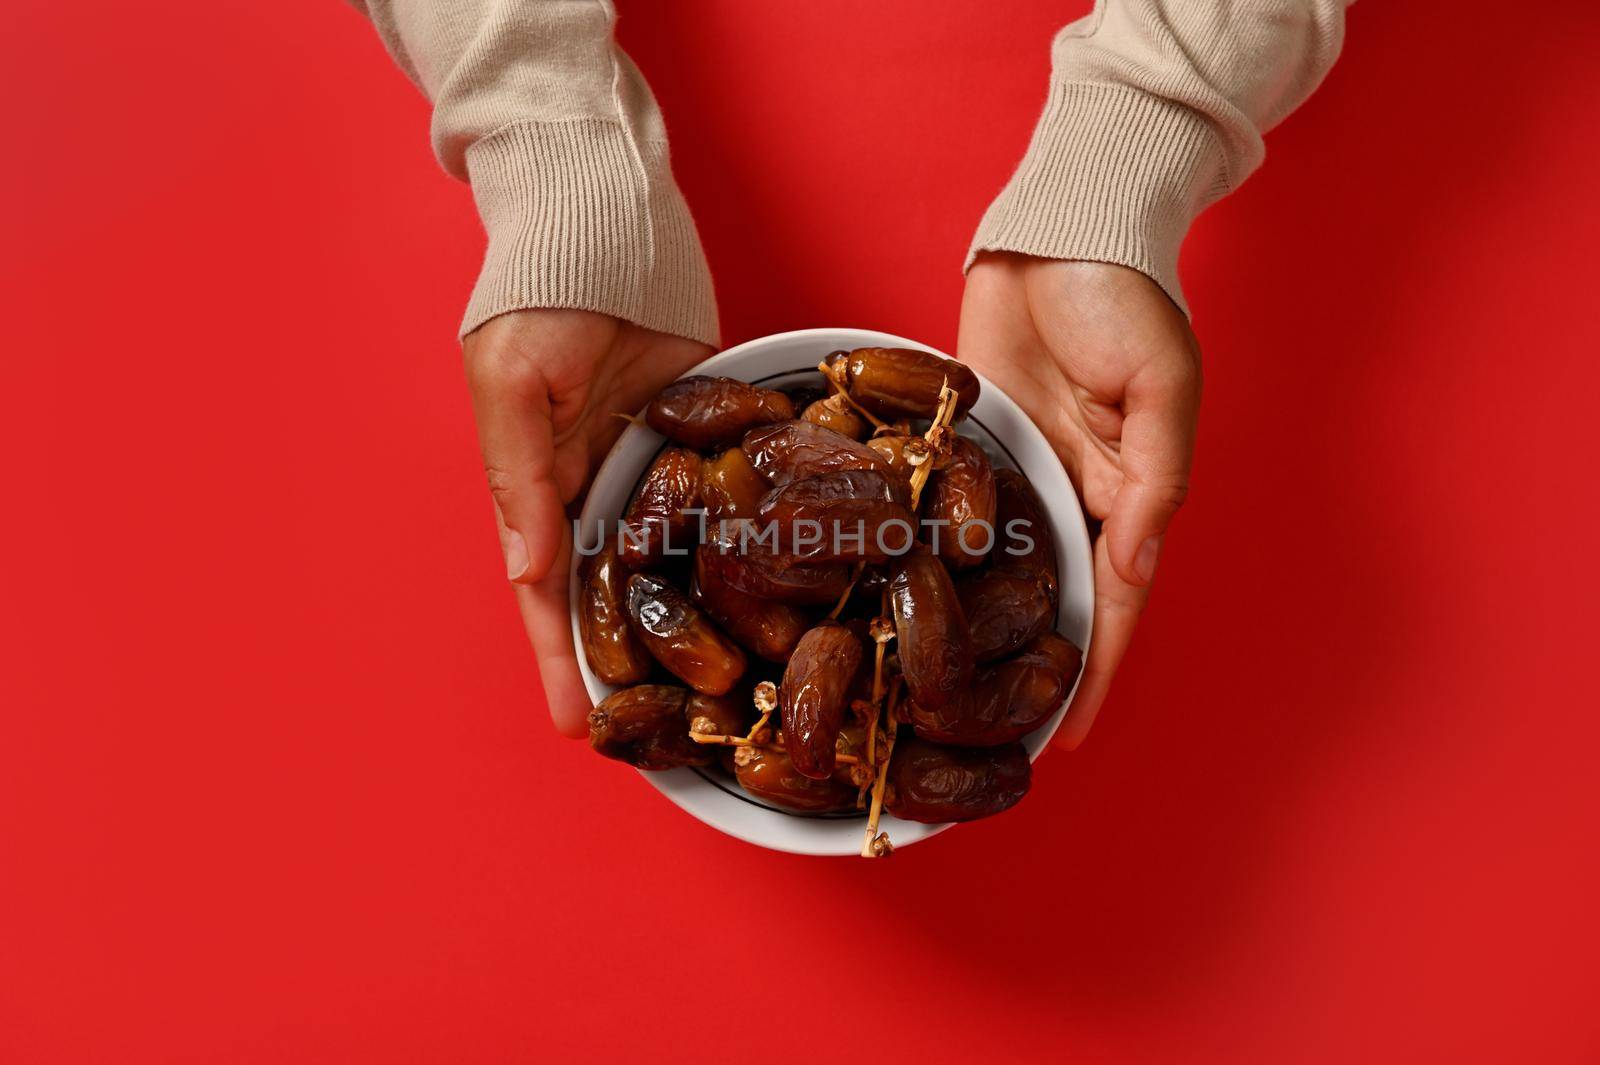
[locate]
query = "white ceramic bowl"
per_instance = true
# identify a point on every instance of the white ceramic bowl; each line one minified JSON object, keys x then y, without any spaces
{"x":1011,"y":440}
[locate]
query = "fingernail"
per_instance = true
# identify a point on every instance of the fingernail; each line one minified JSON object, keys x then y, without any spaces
{"x":1144,"y":563}
{"x":516,"y":553}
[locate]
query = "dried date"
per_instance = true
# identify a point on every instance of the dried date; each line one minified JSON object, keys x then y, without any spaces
{"x":813,"y":697}
{"x":936,"y":784}
{"x":682,"y":638}
{"x":933,"y":644}
{"x":710,"y":412}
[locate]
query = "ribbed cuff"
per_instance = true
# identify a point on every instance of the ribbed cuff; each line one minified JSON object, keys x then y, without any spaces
{"x":1113,"y":175}
{"x":579,"y":215}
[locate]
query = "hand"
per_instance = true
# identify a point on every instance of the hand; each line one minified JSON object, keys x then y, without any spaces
{"x":545,"y":386}
{"x":1106,"y":365}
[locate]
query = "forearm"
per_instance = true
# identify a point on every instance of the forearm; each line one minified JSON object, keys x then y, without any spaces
{"x":564,"y":146}
{"x":1156,"y":110}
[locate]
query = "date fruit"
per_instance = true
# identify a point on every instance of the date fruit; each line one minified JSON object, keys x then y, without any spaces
{"x":932,"y":641}
{"x":844,"y":514}
{"x":710,"y":412}
{"x":744,"y":556}
{"x":962,"y":496}
{"x":936,"y":784}
{"x":794,"y":451}
{"x":1007,"y":700}
{"x":658,"y":517}
{"x":610,"y":645}
{"x":813,"y":696}
{"x":682,"y":638}
{"x":902,"y":382}
{"x":768,"y":773}
{"x":1022,"y":532}
{"x":766,"y":626}
{"x":646,"y":726}
{"x":730,"y":487}
{"x":1005,"y":606}
{"x":834,"y":413}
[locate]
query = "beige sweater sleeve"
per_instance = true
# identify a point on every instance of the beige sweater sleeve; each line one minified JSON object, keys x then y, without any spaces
{"x":563,"y":144}
{"x":1156,"y":110}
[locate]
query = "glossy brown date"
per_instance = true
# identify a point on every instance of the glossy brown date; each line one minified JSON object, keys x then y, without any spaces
{"x":768,"y":773}
{"x":795,"y":451}
{"x":813,"y":696}
{"x":610,"y":645}
{"x":1005,"y":606}
{"x":901,"y":382}
{"x":961,"y":495}
{"x":1007,"y":700}
{"x":724,"y":715}
{"x":836,"y":415}
{"x":765,"y":626}
{"x":1022,"y":532}
{"x":935,"y":784}
{"x":894,"y":449}
{"x":730,"y":487}
{"x":751,"y":564}
{"x":646,"y":726}
{"x":710,"y":412}
{"x":682,"y":638}
{"x":849,"y":515}
{"x":658,"y":517}
{"x":932,"y":641}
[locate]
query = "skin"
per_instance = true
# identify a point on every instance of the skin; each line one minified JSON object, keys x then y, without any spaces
{"x":1106,"y":365}
{"x":544,"y":385}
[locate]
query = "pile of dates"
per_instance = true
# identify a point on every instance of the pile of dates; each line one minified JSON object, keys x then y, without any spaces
{"x":831,"y":593}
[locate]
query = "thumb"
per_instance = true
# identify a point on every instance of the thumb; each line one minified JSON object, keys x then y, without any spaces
{"x":1160,"y":411}
{"x":511,"y":404}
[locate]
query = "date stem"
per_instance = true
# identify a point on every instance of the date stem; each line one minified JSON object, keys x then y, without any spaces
{"x":942,"y":418}
{"x":827,"y":371}
{"x":872,"y":846}
{"x":838,"y":608}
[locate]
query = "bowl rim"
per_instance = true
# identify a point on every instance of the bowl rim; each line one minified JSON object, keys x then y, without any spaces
{"x":774,"y":829}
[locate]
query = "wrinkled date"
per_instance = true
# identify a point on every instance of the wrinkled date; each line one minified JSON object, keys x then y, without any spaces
{"x":657,"y":515}
{"x":612,"y":649}
{"x":647,"y":726}
{"x":845,"y":514}
{"x":1007,"y":700}
{"x":730,"y":487}
{"x":681,"y":638}
{"x":795,"y":451}
{"x":1022,"y":530}
{"x":751,"y":565}
{"x":710,"y":412}
{"x":1005,"y":606}
{"x":766,"y":626}
{"x":935,"y":784}
{"x":832,"y":413}
{"x":900,"y":382}
{"x":813,"y":696}
{"x":934,"y":646}
{"x":962,"y":498}
{"x":768,"y":773}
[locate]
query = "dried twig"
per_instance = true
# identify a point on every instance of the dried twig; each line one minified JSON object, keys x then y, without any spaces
{"x":827,"y":371}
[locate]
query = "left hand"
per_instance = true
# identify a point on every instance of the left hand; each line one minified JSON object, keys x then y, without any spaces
{"x":1106,"y":365}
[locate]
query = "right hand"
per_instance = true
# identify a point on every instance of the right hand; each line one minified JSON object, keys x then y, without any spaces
{"x":545,"y":385}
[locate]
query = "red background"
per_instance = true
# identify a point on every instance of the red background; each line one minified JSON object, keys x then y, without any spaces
{"x":275,"y":782}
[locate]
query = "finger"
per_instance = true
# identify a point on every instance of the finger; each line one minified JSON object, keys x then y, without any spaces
{"x":1117,"y":606}
{"x":1160,"y":411}
{"x":547,"y":618}
{"x":511,"y":403}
